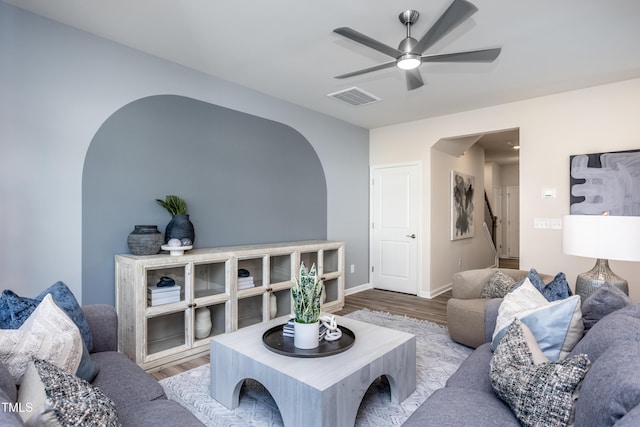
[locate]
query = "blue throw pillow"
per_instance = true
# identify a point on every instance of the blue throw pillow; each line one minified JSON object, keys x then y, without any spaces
{"x":555,"y":290}
{"x":14,"y":309}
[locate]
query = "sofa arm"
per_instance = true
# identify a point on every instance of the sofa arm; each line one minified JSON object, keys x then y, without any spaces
{"x":103,"y":322}
{"x":490,"y":317}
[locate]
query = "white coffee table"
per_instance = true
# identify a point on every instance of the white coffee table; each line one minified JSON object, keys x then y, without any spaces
{"x":323,"y":391}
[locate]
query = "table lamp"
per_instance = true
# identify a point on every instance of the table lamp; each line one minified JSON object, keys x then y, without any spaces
{"x":603,"y":237}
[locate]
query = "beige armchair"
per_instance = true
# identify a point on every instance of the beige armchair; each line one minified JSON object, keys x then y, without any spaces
{"x":465,"y":310}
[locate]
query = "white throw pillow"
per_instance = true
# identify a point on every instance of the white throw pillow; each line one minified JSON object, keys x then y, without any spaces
{"x":47,"y":334}
{"x":524,"y":297}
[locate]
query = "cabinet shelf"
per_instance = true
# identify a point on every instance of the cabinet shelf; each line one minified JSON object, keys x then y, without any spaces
{"x":160,"y":335}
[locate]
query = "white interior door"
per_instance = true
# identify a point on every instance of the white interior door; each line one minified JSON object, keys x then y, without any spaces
{"x":394,"y":228}
{"x":513,"y":222}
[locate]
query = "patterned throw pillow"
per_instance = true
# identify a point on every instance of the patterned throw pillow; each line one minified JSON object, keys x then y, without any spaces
{"x":498,"y":286}
{"x":57,"y":397}
{"x":555,"y":290}
{"x":538,"y":394}
{"x":47,"y":334}
{"x":14,"y":309}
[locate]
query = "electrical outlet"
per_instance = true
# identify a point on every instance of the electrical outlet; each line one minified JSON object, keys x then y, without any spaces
{"x":353,"y":268}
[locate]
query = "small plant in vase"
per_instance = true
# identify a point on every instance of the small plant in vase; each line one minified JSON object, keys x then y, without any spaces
{"x":306,"y":294}
{"x":179,"y":227}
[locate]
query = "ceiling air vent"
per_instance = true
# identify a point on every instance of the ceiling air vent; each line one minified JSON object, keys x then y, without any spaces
{"x":354,"y":96}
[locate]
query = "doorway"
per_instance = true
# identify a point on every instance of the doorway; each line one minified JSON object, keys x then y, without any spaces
{"x":395,"y":205}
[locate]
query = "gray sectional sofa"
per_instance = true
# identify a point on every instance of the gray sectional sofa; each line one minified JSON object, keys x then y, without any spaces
{"x":609,"y":395}
{"x":140,"y":400}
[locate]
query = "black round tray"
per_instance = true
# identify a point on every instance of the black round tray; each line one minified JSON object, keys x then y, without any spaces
{"x":276,"y":342}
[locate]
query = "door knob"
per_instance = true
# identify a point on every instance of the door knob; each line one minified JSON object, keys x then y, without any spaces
{"x":413,"y":236}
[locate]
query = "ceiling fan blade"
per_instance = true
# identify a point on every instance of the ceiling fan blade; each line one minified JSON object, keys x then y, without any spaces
{"x":367,"y":70}
{"x":458,"y":12}
{"x":414,"y":79}
{"x":483,"y":55}
{"x":367,"y":41}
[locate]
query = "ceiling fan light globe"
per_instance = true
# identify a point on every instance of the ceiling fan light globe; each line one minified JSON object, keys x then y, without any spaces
{"x":408,"y":61}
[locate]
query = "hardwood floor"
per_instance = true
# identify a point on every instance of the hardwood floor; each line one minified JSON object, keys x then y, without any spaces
{"x":433,"y":310}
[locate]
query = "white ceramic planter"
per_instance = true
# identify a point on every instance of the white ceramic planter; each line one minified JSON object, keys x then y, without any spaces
{"x":305,"y":335}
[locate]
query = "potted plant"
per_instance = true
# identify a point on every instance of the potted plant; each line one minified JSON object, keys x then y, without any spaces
{"x":306,"y":294}
{"x":179,"y":227}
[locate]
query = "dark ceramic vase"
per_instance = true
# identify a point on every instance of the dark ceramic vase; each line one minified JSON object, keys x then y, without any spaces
{"x":179,"y":227}
{"x":145,"y":240}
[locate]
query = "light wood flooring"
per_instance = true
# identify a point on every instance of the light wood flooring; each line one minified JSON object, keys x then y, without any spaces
{"x":433,"y":310}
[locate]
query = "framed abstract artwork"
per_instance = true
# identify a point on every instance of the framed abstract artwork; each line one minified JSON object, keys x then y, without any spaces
{"x":462,"y":189}
{"x":605,"y":182}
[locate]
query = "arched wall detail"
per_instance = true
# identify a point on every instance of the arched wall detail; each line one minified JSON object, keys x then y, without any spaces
{"x":245,"y":179}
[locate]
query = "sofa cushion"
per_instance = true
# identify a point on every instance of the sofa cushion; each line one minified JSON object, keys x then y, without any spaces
{"x":473,"y":373}
{"x":603,"y":301}
{"x":58,"y":398}
{"x":621,"y":325}
{"x":556,"y":325}
{"x":9,"y":412}
{"x":632,"y":419}
{"x":498,"y":286}
{"x":123,"y":381}
{"x":455,"y":406}
{"x":539,"y":393}
{"x":157,"y":413}
{"x":612,"y":386}
{"x":17,"y":309}
{"x":47,"y":334}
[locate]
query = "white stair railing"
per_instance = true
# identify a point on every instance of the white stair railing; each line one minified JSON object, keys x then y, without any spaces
{"x":487,"y":233}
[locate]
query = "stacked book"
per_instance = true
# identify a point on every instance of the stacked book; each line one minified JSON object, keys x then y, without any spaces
{"x":288,"y":328}
{"x":245,"y":282}
{"x":162,"y":295}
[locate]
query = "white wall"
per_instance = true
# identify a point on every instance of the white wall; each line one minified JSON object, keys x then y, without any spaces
{"x":463,"y":254}
{"x":59,"y":85}
{"x":597,"y":119}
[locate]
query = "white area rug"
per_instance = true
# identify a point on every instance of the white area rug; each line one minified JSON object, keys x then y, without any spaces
{"x":437,"y":358}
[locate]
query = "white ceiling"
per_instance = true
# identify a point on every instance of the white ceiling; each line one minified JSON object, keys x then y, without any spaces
{"x":287,"y":49}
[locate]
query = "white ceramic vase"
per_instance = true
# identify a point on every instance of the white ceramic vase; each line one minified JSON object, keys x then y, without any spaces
{"x":305,"y":335}
{"x":203,"y":323}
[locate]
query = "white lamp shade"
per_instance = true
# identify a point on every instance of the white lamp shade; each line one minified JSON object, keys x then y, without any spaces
{"x":602,"y":236}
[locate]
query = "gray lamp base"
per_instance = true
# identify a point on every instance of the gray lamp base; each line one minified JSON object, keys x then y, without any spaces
{"x":590,"y":281}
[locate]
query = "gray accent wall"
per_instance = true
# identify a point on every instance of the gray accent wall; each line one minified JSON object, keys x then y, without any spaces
{"x":245,"y":180}
{"x":59,"y":86}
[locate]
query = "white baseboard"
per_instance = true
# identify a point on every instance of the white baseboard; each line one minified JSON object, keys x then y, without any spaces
{"x":356,"y":289}
{"x":436,"y":292}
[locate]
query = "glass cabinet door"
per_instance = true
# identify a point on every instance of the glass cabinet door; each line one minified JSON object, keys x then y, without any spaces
{"x":210,"y":279}
{"x":208,"y":321}
{"x":165,"y":332}
{"x":160,"y":290}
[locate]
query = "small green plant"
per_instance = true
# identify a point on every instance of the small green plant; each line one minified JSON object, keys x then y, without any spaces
{"x":306,"y":295}
{"x":173,"y":204}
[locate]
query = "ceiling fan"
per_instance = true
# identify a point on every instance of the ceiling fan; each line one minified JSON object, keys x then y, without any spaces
{"x":409,"y":54}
